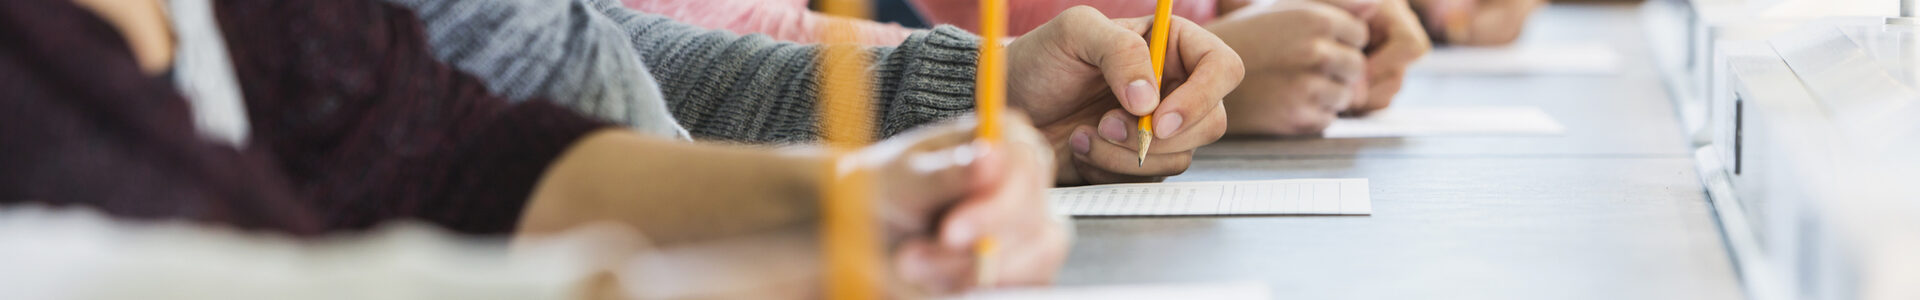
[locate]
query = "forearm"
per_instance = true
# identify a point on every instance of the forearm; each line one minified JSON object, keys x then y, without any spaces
{"x":674,"y":191}
{"x":791,"y":23}
{"x":752,"y":89}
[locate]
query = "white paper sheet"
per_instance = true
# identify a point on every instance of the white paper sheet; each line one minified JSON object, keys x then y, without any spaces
{"x":1347,"y":196}
{"x":1525,"y":58}
{"x":1442,"y":121}
{"x":1210,"y":291}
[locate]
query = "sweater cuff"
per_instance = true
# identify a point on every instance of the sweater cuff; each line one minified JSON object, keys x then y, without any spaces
{"x":500,"y":165}
{"x":929,"y":78}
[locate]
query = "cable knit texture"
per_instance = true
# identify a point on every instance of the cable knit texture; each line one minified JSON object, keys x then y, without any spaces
{"x":723,"y":86}
{"x":533,"y":48}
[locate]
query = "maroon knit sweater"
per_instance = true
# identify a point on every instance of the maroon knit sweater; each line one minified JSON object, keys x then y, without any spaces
{"x":353,"y":123}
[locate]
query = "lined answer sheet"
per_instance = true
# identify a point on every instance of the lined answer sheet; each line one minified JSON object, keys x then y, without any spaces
{"x":1212,"y":291}
{"x":1221,"y":198}
{"x":1441,"y":121}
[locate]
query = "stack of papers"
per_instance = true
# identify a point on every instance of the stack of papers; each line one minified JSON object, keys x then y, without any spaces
{"x":1221,"y":198}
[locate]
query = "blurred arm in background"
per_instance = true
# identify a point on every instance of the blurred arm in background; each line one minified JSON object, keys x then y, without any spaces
{"x":1475,"y":22}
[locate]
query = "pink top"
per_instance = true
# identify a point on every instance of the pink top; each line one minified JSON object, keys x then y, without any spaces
{"x":1029,"y":14}
{"x":789,"y":20}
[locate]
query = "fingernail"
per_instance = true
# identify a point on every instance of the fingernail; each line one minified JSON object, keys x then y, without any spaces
{"x":1166,"y":125}
{"x":1141,"y":96}
{"x":1113,"y":129}
{"x":1080,"y":142}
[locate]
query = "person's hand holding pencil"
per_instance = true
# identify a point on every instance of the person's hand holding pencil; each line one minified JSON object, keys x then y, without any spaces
{"x":1085,"y":80}
{"x":941,"y":190}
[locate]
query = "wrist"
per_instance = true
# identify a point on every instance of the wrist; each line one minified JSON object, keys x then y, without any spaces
{"x":803,"y":170}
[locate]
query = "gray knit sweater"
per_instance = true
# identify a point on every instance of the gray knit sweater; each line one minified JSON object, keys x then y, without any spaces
{"x":718,"y":85}
{"x":534,"y":49}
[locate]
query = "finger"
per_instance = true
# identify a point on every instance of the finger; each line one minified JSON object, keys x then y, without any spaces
{"x":1129,"y":173}
{"x":1119,"y":129}
{"x":1380,"y":95}
{"x":924,"y":264}
{"x":1121,"y":55}
{"x":930,"y":168}
{"x":1361,"y":88}
{"x":1035,"y":260}
{"x":1302,"y":104}
{"x":1122,"y":159}
{"x":1446,"y":19}
{"x":1344,"y":63}
{"x":1402,"y":38}
{"x":1345,"y":27}
{"x":1213,"y":70}
{"x":1331,"y":96}
{"x":999,"y":177}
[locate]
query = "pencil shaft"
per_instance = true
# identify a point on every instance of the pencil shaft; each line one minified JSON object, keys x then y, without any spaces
{"x":850,"y":236}
{"x":991,"y":83}
{"x":1157,"y":47}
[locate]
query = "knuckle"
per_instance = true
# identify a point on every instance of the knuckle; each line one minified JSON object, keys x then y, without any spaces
{"x":1079,"y":10}
{"x":1317,"y":21}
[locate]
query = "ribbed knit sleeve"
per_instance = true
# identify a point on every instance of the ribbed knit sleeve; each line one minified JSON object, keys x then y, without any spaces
{"x":369,"y":127}
{"x":569,"y":54}
{"x":723,"y":86}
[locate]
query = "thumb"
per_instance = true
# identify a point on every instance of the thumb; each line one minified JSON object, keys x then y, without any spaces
{"x":1118,"y":48}
{"x":962,"y":223}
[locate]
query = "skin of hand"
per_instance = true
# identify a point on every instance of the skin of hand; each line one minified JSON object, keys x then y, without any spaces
{"x":1476,"y":22}
{"x":1304,"y":65}
{"x":1004,"y":198}
{"x":1085,"y":79}
{"x":937,"y":190}
{"x":1395,"y":41}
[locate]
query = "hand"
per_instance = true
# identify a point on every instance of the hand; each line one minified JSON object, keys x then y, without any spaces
{"x":1476,"y":22}
{"x":1397,"y":40}
{"x":984,"y":189}
{"x":1304,"y":65}
{"x":1083,"y":70}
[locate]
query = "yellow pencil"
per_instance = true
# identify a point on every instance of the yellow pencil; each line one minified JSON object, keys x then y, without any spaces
{"x":1157,"y":46}
{"x":991,"y":82}
{"x":990,"y":92}
{"x":985,"y":251}
{"x":850,"y":237}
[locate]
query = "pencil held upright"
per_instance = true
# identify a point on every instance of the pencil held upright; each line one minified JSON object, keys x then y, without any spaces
{"x":1146,"y":137}
{"x":850,"y":236}
{"x":1157,"y":46}
{"x":990,"y":86}
{"x":991,"y":93}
